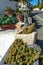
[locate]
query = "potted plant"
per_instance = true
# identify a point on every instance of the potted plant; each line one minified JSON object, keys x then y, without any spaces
{"x":20,"y":54}
{"x":9,"y":11}
{"x":8,"y":22}
{"x":28,"y":34}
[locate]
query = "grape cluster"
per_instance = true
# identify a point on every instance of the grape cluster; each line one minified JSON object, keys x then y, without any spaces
{"x":28,"y":29}
{"x":20,"y":54}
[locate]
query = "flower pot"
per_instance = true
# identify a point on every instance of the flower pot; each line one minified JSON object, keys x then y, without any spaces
{"x":9,"y":13}
{"x":8,"y":26}
{"x":28,"y":38}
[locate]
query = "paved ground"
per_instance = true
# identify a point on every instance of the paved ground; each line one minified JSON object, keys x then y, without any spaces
{"x":39,"y":13}
{"x":39,"y":26}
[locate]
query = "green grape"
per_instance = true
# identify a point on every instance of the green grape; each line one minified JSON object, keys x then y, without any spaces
{"x":28,"y":30}
{"x":21,"y":55}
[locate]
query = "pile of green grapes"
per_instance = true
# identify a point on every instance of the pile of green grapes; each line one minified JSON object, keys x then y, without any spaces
{"x":28,"y":29}
{"x":20,"y":54}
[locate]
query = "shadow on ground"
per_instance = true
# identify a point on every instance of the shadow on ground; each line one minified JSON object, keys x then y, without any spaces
{"x":40,"y":43}
{"x":35,"y":13}
{"x":38,"y":26}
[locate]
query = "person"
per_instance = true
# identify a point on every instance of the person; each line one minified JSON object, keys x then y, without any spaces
{"x":20,"y":22}
{"x":18,"y":25}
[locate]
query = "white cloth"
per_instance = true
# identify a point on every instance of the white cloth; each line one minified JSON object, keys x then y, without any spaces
{"x":6,"y":40}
